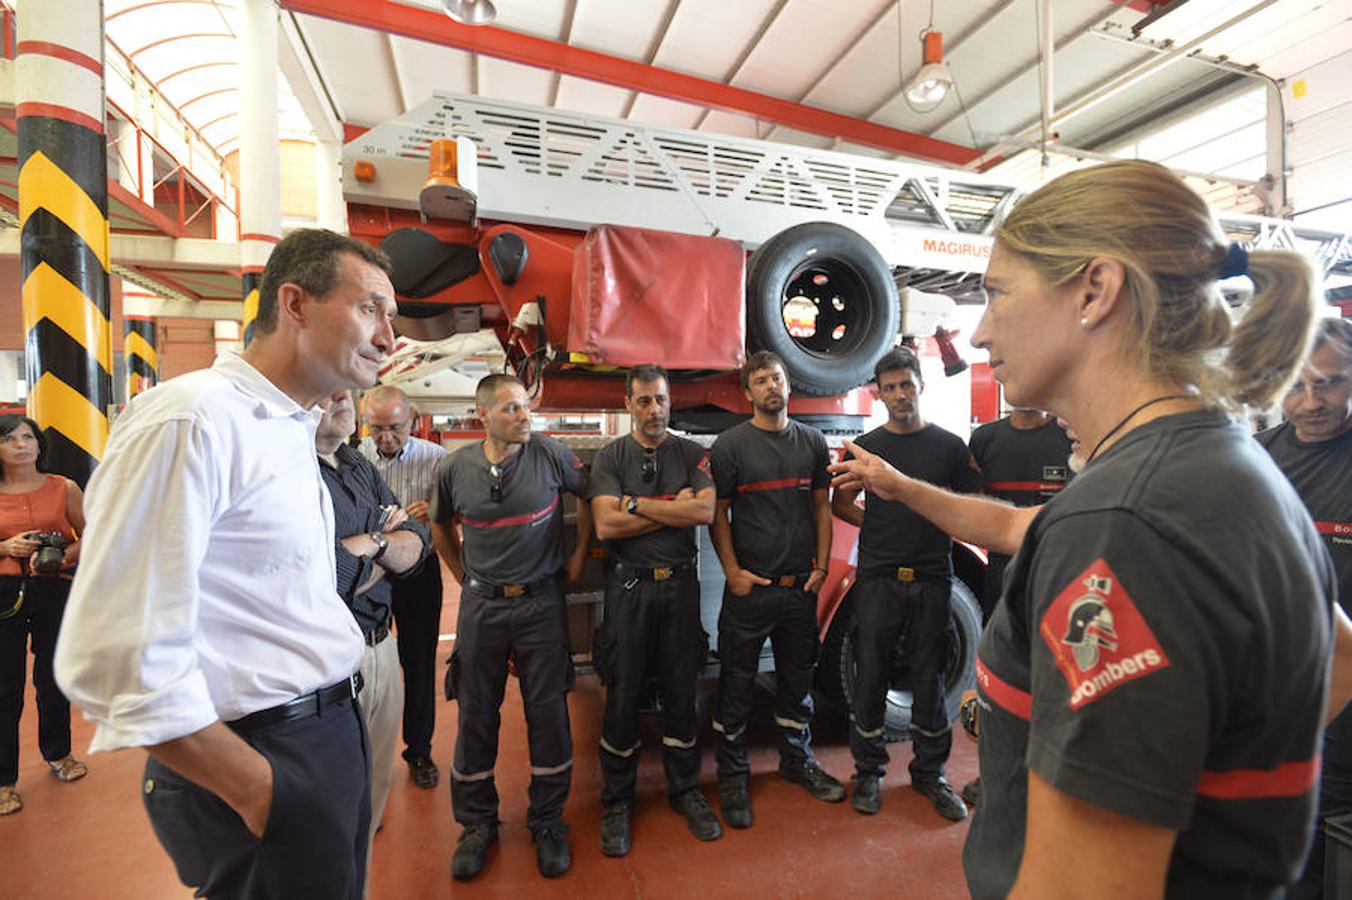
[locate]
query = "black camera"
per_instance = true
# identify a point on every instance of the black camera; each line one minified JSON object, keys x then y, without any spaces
{"x":51,"y":551}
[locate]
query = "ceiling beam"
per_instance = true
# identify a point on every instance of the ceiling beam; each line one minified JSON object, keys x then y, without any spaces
{"x":654,"y":47}
{"x":742,"y":57}
{"x":569,"y":17}
{"x":307,"y":84}
{"x":435,"y":27}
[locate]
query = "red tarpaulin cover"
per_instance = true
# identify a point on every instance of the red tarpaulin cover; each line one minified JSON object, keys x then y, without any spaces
{"x":642,"y":296}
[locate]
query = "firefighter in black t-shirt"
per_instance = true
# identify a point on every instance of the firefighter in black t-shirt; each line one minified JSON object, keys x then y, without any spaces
{"x":771,"y":477}
{"x":904,"y":587}
{"x":649,"y":489}
{"x":505,"y":492}
{"x":1313,"y":448}
{"x":1024,"y":460}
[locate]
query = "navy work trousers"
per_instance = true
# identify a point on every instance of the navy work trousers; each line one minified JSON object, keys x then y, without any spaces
{"x":788,"y":617}
{"x":490,"y":629}
{"x":651,"y":628}
{"x":885,"y":609}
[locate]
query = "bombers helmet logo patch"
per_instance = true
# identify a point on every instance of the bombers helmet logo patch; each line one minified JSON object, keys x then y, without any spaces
{"x":1098,"y":637}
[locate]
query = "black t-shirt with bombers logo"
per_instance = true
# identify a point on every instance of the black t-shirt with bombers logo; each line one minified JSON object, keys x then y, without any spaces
{"x":1321,"y":473}
{"x":1025,"y":466}
{"x":769,"y":476}
{"x":893,"y":534}
{"x":519,"y":538}
{"x":1161,"y":653}
{"x":676,"y":463}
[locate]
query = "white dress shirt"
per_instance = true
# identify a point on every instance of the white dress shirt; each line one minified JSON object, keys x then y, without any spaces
{"x":206,"y":585}
{"x":410,"y":473}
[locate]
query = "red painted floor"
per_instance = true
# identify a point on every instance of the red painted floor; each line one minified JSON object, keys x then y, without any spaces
{"x":91,"y":839}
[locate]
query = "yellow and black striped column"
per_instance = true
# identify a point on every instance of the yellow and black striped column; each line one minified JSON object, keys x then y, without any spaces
{"x":139,"y":354}
{"x":63,"y":220}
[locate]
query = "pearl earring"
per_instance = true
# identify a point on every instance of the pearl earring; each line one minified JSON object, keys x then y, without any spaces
{"x":1084,"y":322}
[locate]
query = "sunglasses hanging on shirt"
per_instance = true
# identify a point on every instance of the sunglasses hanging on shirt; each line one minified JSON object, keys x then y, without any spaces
{"x":649,"y":470}
{"x":495,"y":490}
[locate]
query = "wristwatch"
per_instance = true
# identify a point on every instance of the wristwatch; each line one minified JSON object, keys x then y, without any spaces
{"x":632,"y":506}
{"x":382,"y":544}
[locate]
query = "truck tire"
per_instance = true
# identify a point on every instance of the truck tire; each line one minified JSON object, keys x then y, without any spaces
{"x":857,"y":311}
{"x":835,"y":670}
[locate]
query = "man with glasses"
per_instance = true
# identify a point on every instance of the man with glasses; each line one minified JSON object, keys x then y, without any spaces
{"x":506,"y":493}
{"x":649,"y":489}
{"x":1313,"y":448}
{"x":408,"y":464}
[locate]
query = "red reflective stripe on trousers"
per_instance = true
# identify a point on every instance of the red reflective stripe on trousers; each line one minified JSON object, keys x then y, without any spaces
{"x":1287,"y":780}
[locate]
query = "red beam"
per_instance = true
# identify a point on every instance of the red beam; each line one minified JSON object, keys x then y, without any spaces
{"x":437,"y":28}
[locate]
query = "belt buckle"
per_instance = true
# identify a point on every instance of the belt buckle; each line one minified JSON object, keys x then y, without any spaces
{"x":788,"y":580}
{"x":905,"y":574}
{"x":661,"y":573}
{"x":513,"y":590}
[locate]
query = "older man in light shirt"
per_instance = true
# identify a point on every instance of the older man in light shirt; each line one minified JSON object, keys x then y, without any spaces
{"x":409,"y":464}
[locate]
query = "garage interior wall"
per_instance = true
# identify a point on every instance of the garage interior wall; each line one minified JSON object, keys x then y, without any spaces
{"x":1320,"y":143}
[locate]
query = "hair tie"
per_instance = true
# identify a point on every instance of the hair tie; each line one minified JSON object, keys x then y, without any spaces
{"x":1236,"y":262}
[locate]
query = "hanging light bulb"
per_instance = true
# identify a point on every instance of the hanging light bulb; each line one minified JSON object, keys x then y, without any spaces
{"x":932,"y":83}
{"x":470,"y":12}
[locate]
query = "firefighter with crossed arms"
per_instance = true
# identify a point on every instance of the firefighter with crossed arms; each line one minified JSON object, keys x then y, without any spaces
{"x":649,"y":489}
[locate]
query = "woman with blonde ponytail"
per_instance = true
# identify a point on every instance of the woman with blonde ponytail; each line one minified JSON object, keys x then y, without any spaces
{"x":1152,"y":683}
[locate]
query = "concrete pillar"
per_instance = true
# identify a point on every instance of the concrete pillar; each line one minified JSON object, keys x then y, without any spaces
{"x":332,"y":211}
{"x":260,"y":181}
{"x":63,"y":216}
{"x":226,"y":332}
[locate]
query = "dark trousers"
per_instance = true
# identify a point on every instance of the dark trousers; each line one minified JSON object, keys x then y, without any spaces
{"x":886,"y":609}
{"x":314,"y":843}
{"x":416,"y":601}
{"x":489,"y":630}
{"x":44,"y":603}
{"x":650,"y":628}
{"x":788,"y":617}
{"x":1335,"y":799}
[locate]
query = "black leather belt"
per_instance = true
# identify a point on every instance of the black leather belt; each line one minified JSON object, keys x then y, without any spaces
{"x":511,"y":590}
{"x":788,"y":581}
{"x":311,"y":704}
{"x":376,"y":636}
{"x":659,"y":573}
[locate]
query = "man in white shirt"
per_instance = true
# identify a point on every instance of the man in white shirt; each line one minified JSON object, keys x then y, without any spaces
{"x":204,"y":623}
{"x":409,"y":466}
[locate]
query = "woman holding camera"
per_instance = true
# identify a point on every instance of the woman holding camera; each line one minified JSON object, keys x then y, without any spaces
{"x":41,"y":516}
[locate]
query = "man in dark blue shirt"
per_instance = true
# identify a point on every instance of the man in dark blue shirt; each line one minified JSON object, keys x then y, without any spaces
{"x":375,"y":540}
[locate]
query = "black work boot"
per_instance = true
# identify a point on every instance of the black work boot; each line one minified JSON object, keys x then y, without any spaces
{"x":699,"y":818}
{"x":941,"y":795}
{"x":734,"y":803}
{"x":815,"y":780}
{"x":471,"y":851}
{"x":868,"y":794}
{"x":971,"y":791}
{"x":615,"y":836}
{"x":552,"y":856}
